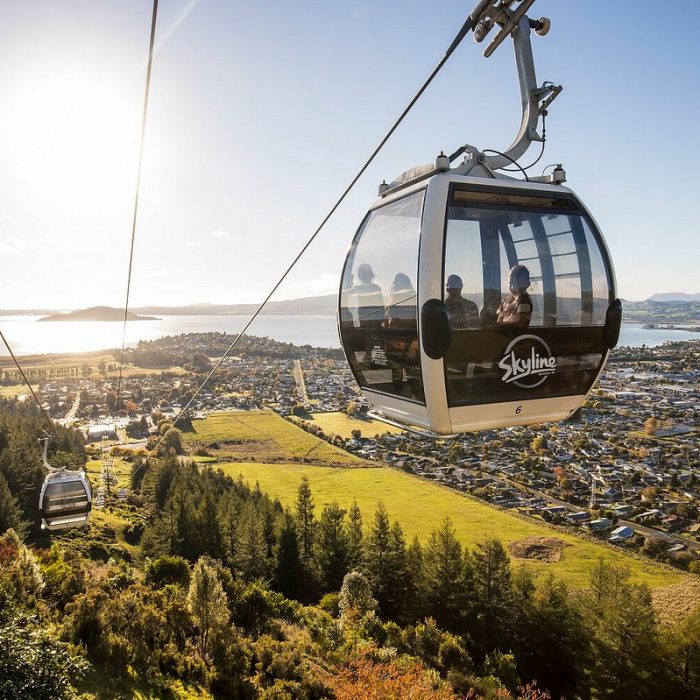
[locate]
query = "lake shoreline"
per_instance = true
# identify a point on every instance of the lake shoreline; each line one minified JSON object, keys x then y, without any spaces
{"x":28,"y":338}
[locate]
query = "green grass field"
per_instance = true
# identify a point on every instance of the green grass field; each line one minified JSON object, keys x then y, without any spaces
{"x":265,"y":436}
{"x":14,"y":390}
{"x":343,"y":425}
{"x":420,"y":505}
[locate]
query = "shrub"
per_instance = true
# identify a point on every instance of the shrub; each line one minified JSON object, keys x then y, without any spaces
{"x":168,"y":570}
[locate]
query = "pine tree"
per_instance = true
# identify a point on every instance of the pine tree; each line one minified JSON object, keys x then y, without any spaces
{"x":416,"y":588}
{"x":251,"y":550}
{"x":377,"y":557}
{"x":10,"y":512}
{"x":554,"y":643}
{"x":355,"y":538}
{"x":305,"y":520}
{"x":492,"y":595}
{"x":208,"y":525}
{"x":444,"y":571}
{"x":333,"y":547}
{"x":626,"y":650}
{"x":268,"y":515}
{"x":207,"y":602}
{"x":396,"y":601}
{"x":289,"y":572}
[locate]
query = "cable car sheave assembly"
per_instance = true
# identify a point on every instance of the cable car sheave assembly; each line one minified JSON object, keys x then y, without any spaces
{"x":470,"y":299}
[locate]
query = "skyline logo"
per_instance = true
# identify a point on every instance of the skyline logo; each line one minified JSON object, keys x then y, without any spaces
{"x":527,"y":362}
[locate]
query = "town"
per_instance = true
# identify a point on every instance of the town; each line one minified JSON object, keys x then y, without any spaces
{"x":626,"y":468}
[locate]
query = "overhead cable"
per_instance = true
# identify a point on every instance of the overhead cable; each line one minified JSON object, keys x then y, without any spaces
{"x":464,"y":30}
{"x":136,"y":196}
{"x":52,"y":427}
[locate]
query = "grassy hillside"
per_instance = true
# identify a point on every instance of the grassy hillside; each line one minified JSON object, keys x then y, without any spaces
{"x":420,"y":505}
{"x":264,"y":436}
{"x":343,"y":425}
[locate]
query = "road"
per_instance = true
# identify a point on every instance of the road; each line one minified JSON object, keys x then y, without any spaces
{"x":301,"y":384}
{"x":69,"y":418}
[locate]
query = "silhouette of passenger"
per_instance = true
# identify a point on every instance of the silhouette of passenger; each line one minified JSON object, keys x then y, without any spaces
{"x":369,"y":299}
{"x":516,"y":308}
{"x":400,"y":344}
{"x":346,"y":315}
{"x":401,"y":311}
{"x":464,"y":313}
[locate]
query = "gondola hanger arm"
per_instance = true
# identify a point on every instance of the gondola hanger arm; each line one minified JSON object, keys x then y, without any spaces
{"x":44,"y":452}
{"x":535,"y":99}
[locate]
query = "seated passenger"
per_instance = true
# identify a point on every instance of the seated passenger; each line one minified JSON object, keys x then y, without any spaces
{"x":464,"y":313}
{"x":368,"y":297}
{"x":401,"y":311}
{"x":516,"y":308}
{"x":402,"y":350}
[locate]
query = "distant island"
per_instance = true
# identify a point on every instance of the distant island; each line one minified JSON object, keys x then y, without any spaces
{"x":676,"y":309}
{"x":325,"y":305}
{"x":98,"y":313}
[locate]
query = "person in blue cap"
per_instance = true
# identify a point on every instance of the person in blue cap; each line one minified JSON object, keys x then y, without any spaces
{"x":464,"y":313}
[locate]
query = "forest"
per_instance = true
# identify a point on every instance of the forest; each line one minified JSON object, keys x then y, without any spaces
{"x":215,"y":590}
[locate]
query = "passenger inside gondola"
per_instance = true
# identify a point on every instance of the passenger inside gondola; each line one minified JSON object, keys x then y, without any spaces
{"x":369,"y":298}
{"x":400,"y":344}
{"x":463,"y":312}
{"x":516,"y":308}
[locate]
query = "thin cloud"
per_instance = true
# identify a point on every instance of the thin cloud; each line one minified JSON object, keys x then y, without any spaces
{"x":222,"y":235}
{"x":12,"y":245}
{"x":327,"y":283}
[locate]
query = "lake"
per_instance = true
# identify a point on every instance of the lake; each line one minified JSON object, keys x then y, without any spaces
{"x":27,"y":337}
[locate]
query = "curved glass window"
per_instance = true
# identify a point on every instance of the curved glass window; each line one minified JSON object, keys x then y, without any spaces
{"x":378,"y":300}
{"x":529,"y":273}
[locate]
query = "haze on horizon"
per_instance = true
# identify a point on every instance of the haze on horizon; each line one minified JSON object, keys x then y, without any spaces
{"x":261,"y":114}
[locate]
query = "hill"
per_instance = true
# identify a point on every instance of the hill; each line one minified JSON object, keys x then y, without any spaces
{"x":98,"y":313}
{"x":322,"y":305}
{"x":666,"y":312}
{"x":675,"y":296}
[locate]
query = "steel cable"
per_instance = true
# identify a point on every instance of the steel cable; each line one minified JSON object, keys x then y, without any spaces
{"x":30,"y":387}
{"x":146,"y":95}
{"x":464,"y":30}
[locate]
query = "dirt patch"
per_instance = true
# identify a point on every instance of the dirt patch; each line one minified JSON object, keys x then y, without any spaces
{"x":547,"y":549}
{"x":673,"y":603}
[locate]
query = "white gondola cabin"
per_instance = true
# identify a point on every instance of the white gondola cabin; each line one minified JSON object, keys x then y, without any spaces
{"x":66,"y":496}
{"x":469,"y":303}
{"x":65,"y":501}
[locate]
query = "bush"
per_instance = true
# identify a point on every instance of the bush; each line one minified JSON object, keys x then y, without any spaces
{"x":133,"y":533}
{"x":330,"y":603}
{"x":35,"y":665}
{"x":168,"y":570}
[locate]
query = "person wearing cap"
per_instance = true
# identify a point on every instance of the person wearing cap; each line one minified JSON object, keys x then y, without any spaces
{"x":516,"y":308}
{"x":464,"y":313}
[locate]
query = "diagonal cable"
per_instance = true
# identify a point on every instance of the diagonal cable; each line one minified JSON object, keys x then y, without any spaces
{"x":464,"y":30}
{"x":138,"y":189}
{"x":30,"y":387}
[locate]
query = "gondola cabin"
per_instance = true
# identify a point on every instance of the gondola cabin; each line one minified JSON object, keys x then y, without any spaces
{"x":65,"y":500}
{"x":469,"y":303}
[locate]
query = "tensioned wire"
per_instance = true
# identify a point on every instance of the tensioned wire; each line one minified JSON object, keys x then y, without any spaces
{"x":144,"y":118}
{"x":133,"y":235}
{"x":464,"y":30}
{"x":29,"y":386}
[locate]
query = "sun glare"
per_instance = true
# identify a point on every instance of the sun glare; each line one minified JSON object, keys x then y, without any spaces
{"x":70,"y":133}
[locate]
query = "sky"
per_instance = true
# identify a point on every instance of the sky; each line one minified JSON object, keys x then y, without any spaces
{"x":261,"y":113}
